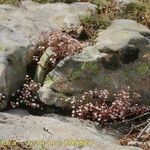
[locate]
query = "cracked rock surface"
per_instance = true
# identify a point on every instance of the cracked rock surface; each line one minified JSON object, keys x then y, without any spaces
{"x":20,"y":25}
{"x":20,"y":126}
{"x":120,"y":58}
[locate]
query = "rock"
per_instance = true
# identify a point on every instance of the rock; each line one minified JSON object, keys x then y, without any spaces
{"x":135,"y":143}
{"x":126,"y":1}
{"x":13,"y":63}
{"x":56,"y":15}
{"x":42,"y":67}
{"x":120,"y":58}
{"x":57,"y":132}
{"x":130,"y":32}
{"x":20,"y":25}
{"x":2,"y":48}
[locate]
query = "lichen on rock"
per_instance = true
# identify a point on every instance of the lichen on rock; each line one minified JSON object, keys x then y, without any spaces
{"x":112,"y":63}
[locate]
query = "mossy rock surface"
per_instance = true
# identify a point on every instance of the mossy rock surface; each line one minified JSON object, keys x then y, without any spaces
{"x":3,"y":48}
{"x":114,"y":62}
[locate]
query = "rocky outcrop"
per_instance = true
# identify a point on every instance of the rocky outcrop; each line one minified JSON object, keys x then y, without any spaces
{"x":20,"y":25}
{"x":14,"y":57}
{"x":119,"y":58}
{"x":54,"y":132}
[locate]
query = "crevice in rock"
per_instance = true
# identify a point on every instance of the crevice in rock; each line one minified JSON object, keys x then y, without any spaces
{"x":126,"y":55}
{"x":129,"y":54}
{"x":110,"y":62}
{"x":65,"y":94}
{"x":140,"y":42}
{"x":31,"y":68}
{"x":58,"y":110}
{"x":79,"y":34}
{"x":145,"y":34}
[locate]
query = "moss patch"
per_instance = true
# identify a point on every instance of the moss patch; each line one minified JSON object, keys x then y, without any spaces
{"x":76,"y":75}
{"x":87,"y":68}
{"x":106,"y":81}
{"x":92,"y":67}
{"x":12,"y":2}
{"x":41,"y":1}
{"x":109,"y":11}
{"x":133,"y":74}
{"x":2,"y":48}
{"x":143,"y":69}
{"x":49,"y":80}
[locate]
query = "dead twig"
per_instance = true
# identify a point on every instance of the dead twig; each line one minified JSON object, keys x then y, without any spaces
{"x":144,"y":129}
{"x":129,"y":120}
{"x":135,"y":127}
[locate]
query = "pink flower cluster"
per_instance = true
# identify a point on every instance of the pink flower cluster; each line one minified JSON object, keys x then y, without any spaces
{"x":96,"y":106}
{"x":26,"y":97}
{"x":61,"y":43}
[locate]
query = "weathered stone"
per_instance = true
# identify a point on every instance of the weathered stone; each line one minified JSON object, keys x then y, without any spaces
{"x":2,"y":48}
{"x":119,"y":58}
{"x":20,"y":25}
{"x":57,"y":132}
{"x":42,"y":67}
{"x":13,"y":63}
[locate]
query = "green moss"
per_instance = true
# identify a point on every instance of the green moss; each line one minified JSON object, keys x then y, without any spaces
{"x":127,"y":72}
{"x":94,"y":22}
{"x":92,"y":67}
{"x":139,"y":11}
{"x":76,"y":75}
{"x":128,"y":75}
{"x":12,"y":2}
{"x":109,"y":11}
{"x":41,"y":1}
{"x":106,"y":80}
{"x":143,"y":69}
{"x":132,"y":74}
{"x":2,"y":47}
{"x":49,"y":80}
{"x":100,"y":3}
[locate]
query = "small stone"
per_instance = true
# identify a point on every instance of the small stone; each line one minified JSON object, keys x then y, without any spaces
{"x":134,"y":143}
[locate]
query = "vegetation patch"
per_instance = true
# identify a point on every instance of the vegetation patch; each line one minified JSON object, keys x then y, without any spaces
{"x":62,"y":46}
{"x":92,"y":67}
{"x":2,"y":47}
{"x":49,"y":80}
{"x":76,"y":75}
{"x":109,"y":11}
{"x":138,"y":11}
{"x":12,"y":2}
{"x":54,"y":1}
{"x":95,"y":105}
{"x":143,"y":69}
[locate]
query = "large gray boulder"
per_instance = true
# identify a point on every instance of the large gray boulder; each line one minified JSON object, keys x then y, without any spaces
{"x":20,"y":25}
{"x":120,"y":58}
{"x":53,"y":132}
{"x":14,"y":58}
